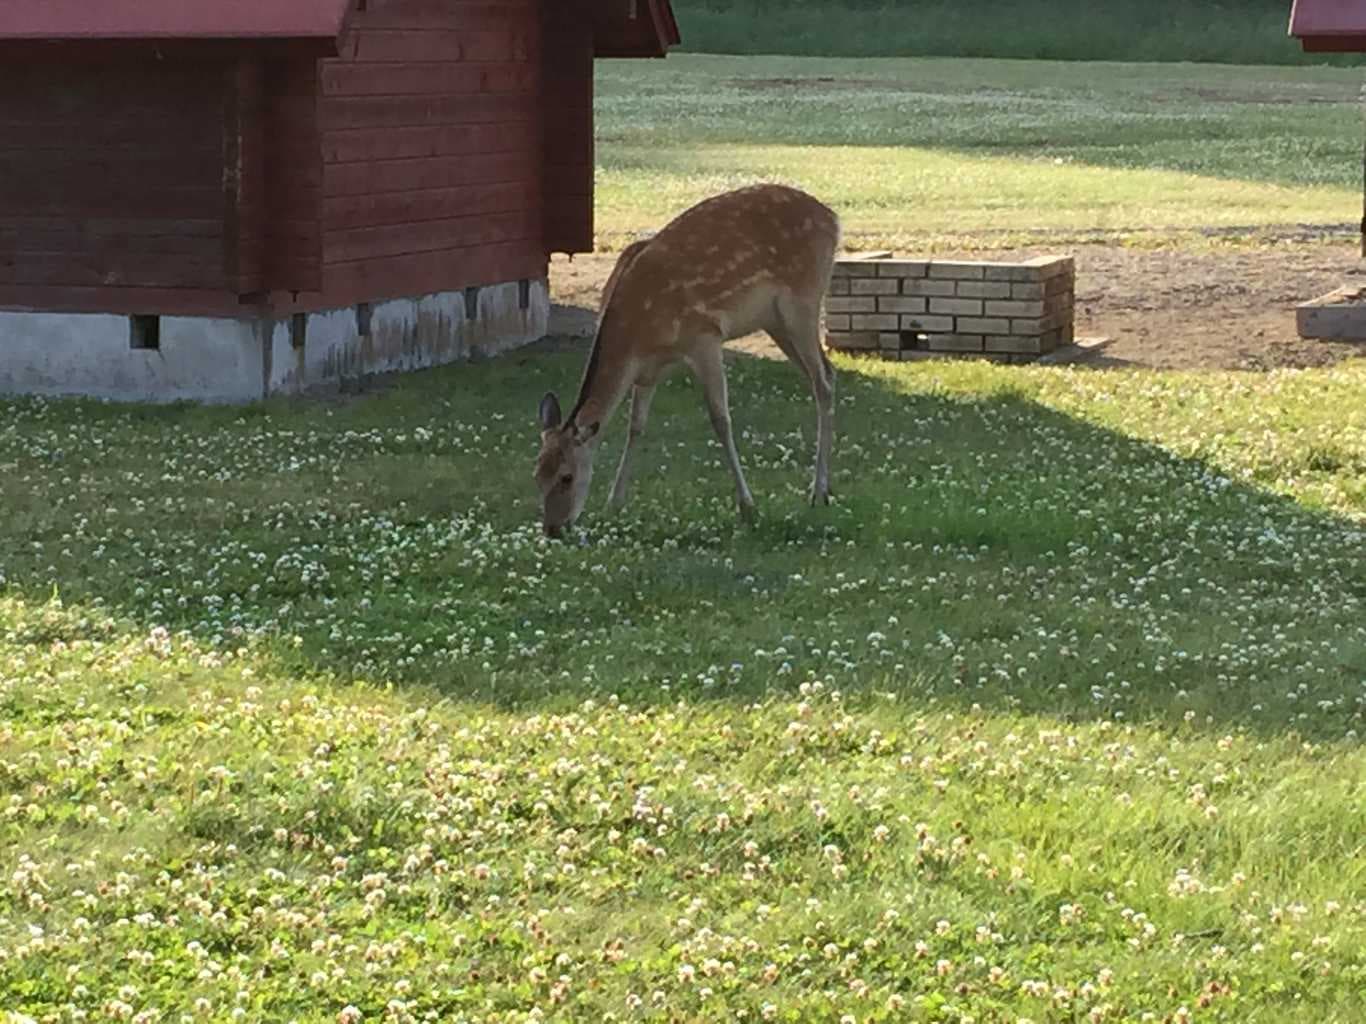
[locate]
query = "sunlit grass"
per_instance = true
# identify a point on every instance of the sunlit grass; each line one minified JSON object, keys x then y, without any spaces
{"x":909,"y":198}
{"x":911,"y":150}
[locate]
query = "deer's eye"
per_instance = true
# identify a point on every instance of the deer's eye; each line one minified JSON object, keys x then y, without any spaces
{"x":566,"y":480}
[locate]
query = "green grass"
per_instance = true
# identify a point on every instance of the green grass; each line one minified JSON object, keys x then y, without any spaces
{"x":927,"y":153}
{"x":1247,"y":32}
{"x":1055,"y":715}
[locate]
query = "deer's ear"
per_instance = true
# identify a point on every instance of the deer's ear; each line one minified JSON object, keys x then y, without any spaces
{"x":550,"y":411}
{"x":584,"y":434}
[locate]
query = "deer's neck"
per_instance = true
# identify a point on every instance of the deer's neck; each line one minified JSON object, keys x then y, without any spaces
{"x":606,"y":381}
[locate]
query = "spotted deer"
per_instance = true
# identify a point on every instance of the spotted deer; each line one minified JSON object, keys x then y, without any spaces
{"x":758,"y":258}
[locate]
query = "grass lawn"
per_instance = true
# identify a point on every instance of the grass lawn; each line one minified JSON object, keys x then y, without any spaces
{"x":1056,"y":715}
{"x":920,"y":153}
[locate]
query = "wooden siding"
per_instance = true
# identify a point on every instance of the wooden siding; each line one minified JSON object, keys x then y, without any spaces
{"x":244,"y":178}
{"x":567,"y":150}
{"x":293,"y":168}
{"x":449,"y":145}
{"x":113,"y":178}
{"x":431,"y":133}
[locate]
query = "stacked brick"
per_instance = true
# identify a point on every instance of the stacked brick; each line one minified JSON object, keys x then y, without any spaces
{"x":917,"y":309}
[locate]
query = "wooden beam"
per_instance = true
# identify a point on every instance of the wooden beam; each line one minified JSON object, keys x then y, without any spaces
{"x":243,"y":177}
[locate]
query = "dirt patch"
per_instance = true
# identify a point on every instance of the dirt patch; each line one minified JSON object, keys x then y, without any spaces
{"x":1229,"y":309}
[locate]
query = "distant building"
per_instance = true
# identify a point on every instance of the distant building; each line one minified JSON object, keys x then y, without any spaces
{"x":1331,"y":26}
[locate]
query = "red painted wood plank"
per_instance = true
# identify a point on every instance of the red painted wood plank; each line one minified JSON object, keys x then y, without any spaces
{"x":421,"y":273}
{"x":73,"y":242}
{"x":565,"y":134}
{"x":190,"y":166}
{"x":436,"y":204}
{"x":297,"y":79}
{"x":112,"y":137}
{"x":425,"y":79}
{"x":1335,"y":44}
{"x":563,"y":228}
{"x":243,"y":176}
{"x":567,"y":141}
{"x":430,"y":235}
{"x":122,"y":228}
{"x":347,"y":284}
{"x":398,"y":111}
{"x":100,"y":89}
{"x":124,"y":301}
{"x":400,"y":45}
{"x":435,"y":140}
{"x":92,"y":100}
{"x":293,"y":170}
{"x":16,"y":54}
{"x":123,"y":200}
{"x":428,"y":173}
{"x":151,"y":270}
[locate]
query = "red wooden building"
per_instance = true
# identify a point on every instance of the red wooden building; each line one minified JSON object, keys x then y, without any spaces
{"x":1329,"y":26}
{"x":223,"y":199}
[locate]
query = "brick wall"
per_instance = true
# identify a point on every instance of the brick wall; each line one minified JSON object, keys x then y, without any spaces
{"x":917,"y":309}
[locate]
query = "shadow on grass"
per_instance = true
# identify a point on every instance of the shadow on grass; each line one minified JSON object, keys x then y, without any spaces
{"x":985,"y":550}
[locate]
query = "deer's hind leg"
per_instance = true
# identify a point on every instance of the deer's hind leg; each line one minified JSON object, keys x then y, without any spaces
{"x":798,"y":334}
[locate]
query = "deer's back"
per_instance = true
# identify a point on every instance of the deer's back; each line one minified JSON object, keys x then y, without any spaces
{"x":729,"y":258}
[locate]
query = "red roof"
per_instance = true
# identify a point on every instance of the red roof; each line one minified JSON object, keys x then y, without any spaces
{"x":1325,"y":26}
{"x":171,"y":19}
{"x":624,"y":28}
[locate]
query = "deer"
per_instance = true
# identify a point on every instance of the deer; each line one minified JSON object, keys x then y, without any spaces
{"x":756,"y":258}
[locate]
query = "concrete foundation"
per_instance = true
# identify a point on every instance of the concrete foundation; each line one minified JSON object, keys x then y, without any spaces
{"x":244,"y":359}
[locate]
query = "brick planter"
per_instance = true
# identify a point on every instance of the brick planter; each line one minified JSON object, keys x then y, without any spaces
{"x":1338,"y":316}
{"x":919,"y":309}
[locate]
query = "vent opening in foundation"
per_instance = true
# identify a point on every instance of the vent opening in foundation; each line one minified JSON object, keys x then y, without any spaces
{"x":298,"y":330}
{"x":471,"y":303}
{"x":144,"y":332}
{"x":363,"y":319}
{"x":524,"y":294}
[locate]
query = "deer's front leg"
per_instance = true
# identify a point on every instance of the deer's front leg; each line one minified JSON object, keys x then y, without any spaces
{"x":641,"y":396}
{"x":711,"y":372}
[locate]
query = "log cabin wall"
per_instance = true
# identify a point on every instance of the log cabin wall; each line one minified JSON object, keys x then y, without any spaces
{"x":431,"y":132}
{"x":112,"y":185}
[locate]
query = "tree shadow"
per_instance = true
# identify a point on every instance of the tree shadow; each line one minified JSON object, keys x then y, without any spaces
{"x":985,"y":550}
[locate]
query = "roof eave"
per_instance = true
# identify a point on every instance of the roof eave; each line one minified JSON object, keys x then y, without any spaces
{"x":1334,"y":44}
{"x":652,"y":35}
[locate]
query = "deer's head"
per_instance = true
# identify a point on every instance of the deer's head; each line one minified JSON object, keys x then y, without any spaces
{"x":564,"y":467}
